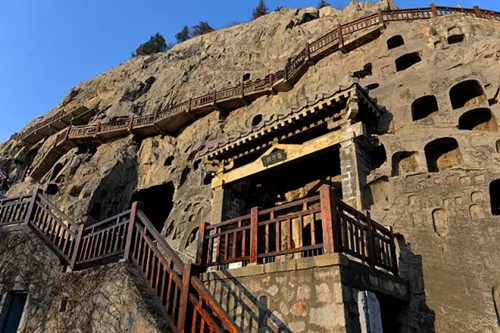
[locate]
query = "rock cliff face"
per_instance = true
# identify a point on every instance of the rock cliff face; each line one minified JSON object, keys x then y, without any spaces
{"x":445,"y":214}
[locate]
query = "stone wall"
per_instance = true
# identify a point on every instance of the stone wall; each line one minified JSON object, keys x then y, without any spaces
{"x":105,"y":299}
{"x":318,"y":294}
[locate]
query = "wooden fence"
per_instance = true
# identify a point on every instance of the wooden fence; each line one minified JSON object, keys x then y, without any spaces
{"x":131,"y":236}
{"x":327,"y":43}
{"x":308,"y":227}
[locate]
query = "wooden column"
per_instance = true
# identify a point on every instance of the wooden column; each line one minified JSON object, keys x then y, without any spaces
{"x":328,"y":218}
{"x":380,"y":17}
{"x":78,"y":240}
{"x":32,"y":206}
{"x":393,"y":252}
{"x":340,"y":37}
{"x":131,"y":123}
{"x":254,"y":219}
{"x":184,"y":299}
{"x":370,"y":241}
{"x":434,"y":10}
{"x":477,"y":11}
{"x":202,"y":250}
{"x":137,"y":205}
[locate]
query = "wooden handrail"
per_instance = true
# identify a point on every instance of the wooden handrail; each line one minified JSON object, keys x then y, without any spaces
{"x":291,"y":68}
{"x":343,"y":229}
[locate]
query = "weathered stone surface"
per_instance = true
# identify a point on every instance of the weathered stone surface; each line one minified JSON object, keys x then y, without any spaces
{"x":445,"y":216}
{"x":105,"y":299}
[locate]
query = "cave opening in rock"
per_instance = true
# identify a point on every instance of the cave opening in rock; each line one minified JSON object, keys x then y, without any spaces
{"x":404,"y":162}
{"x":407,"y":60}
{"x":495,"y":197}
{"x":477,"y":120}
{"x":424,"y":107}
{"x":52,"y":189}
{"x":395,"y":41}
{"x":157,"y":201}
{"x":466,"y":93}
{"x":442,"y":154}
{"x":56,"y":171}
{"x":453,"y":39}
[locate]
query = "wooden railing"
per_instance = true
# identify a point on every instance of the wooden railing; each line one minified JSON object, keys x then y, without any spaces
{"x":131,"y":236}
{"x":308,"y":227}
{"x":14,"y":210}
{"x":297,"y":65}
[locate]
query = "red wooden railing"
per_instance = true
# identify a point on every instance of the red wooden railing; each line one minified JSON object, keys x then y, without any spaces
{"x":309,"y":227}
{"x":129,"y":235}
{"x":330,"y":41}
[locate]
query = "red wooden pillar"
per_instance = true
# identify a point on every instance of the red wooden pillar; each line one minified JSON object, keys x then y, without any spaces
{"x":32,"y":206}
{"x":131,"y":123}
{"x":380,"y":16}
{"x":254,"y":219}
{"x":434,"y":10}
{"x":340,"y":37}
{"x":76,"y":248}
{"x":394,"y":264}
{"x":202,"y":250}
{"x":477,"y":11}
{"x":184,"y":299}
{"x":136,"y":206}
{"x":328,"y":218}
{"x":371,"y":240}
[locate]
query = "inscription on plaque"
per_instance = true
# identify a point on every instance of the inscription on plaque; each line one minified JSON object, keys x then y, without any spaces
{"x":275,"y":157}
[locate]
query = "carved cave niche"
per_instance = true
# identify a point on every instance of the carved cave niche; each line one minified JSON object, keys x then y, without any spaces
{"x":157,"y":201}
{"x":442,"y":153}
{"x":407,"y":60}
{"x":404,"y":162}
{"x":424,"y":107}
{"x":466,"y":93}
{"x":440,"y":221}
{"x":495,"y":197}
{"x":394,"y":42}
{"x":479,"y":119}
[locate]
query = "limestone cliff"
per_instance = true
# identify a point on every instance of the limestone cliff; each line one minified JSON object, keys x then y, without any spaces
{"x":443,"y":210}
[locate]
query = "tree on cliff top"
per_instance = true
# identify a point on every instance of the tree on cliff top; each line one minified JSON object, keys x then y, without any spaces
{"x":202,"y":28}
{"x":154,"y":45}
{"x":322,"y":4}
{"x":183,"y":35}
{"x":260,"y":10}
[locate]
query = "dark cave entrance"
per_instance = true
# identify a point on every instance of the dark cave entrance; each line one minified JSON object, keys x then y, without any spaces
{"x":158,"y":202}
{"x":466,"y":93}
{"x":288,"y":182}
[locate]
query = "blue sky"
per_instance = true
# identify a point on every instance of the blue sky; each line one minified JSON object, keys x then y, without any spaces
{"x":51,"y":46}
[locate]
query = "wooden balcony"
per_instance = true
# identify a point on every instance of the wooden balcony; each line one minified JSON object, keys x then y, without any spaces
{"x":309,"y":227}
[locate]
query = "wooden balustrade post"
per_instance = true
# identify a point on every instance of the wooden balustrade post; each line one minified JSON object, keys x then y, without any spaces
{"x":136,"y":206}
{"x":31,"y":208}
{"x":371,"y":240}
{"x":97,"y":127}
{"x":380,"y":17}
{"x":477,"y":12}
{"x":286,"y":70}
{"x":328,"y":218}
{"x":185,"y":311}
{"x":190,"y":103}
{"x":308,"y":54}
{"x":340,"y":37}
{"x":394,"y":264}
{"x":78,"y":240}
{"x":254,"y":228}
{"x":434,"y":10}
{"x":202,"y":251}
{"x":131,"y":123}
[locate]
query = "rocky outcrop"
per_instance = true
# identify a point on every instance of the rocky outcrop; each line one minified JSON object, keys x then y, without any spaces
{"x":445,"y":215}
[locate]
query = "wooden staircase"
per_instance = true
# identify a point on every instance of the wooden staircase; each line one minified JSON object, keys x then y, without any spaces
{"x":344,"y":38}
{"x":126,"y":236}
